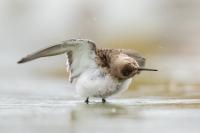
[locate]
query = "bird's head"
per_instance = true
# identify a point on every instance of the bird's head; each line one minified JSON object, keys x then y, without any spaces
{"x":124,"y":67}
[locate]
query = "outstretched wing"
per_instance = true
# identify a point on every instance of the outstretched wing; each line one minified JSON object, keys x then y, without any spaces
{"x":139,"y":58}
{"x":81,"y":54}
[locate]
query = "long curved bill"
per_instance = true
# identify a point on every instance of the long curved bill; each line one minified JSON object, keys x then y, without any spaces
{"x":146,"y":69}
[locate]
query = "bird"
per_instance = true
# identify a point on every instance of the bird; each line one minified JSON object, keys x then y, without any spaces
{"x":95,"y":72}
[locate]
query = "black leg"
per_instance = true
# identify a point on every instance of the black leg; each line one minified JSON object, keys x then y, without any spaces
{"x":103,"y":100}
{"x":87,"y":100}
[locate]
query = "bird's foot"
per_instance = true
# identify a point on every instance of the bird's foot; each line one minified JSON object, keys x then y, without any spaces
{"x":103,"y":100}
{"x":87,"y":100}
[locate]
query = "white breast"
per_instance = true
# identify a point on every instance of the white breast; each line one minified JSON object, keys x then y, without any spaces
{"x":95,"y":83}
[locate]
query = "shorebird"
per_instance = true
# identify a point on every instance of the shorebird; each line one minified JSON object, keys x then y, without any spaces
{"x":95,"y":72}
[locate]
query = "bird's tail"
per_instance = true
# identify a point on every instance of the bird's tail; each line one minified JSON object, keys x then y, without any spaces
{"x":50,"y":51}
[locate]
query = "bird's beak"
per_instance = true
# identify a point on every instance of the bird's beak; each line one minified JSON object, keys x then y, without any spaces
{"x":146,"y":69}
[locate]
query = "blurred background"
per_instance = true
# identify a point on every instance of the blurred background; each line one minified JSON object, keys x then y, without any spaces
{"x":166,"y":32}
{"x":36,"y":97}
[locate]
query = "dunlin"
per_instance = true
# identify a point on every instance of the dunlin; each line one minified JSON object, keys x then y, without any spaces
{"x":96,"y":72}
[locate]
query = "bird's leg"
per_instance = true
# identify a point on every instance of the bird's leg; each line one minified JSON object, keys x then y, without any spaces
{"x":103,"y":100}
{"x":87,"y":100}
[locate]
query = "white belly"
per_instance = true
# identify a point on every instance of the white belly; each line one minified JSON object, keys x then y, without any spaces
{"x":95,"y":83}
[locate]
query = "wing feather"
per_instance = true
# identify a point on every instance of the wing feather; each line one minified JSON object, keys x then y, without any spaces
{"x":81,"y":54}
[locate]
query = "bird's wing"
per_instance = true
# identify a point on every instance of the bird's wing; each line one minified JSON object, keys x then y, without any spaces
{"x":81,"y":54}
{"x":139,"y":58}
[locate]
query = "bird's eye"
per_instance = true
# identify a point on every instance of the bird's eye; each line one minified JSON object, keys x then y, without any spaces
{"x":127,"y":70}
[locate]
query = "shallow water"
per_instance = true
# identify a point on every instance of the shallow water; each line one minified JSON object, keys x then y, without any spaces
{"x":121,"y":115}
